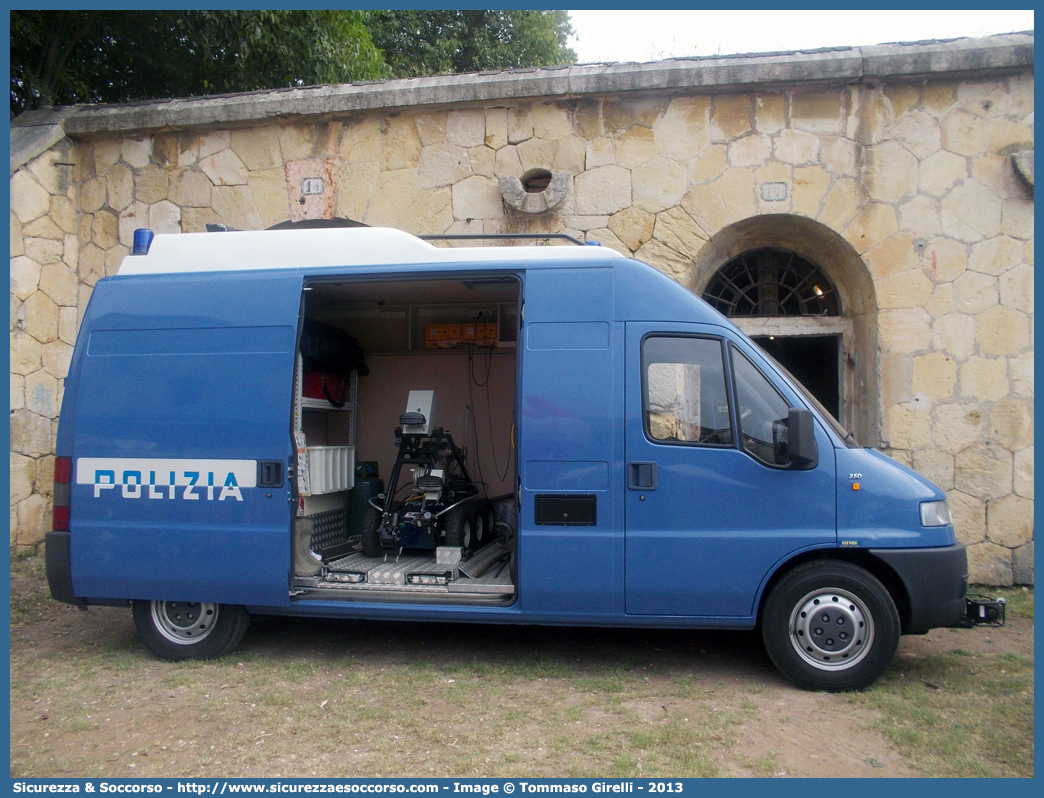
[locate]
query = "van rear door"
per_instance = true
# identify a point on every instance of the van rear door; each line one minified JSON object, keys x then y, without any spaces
{"x":709,"y":514}
{"x":180,"y":427}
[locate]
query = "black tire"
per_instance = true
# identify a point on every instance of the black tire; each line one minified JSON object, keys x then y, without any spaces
{"x":178,"y":630}
{"x":371,"y":532}
{"x":487,"y":515}
{"x":481,"y":529}
{"x":458,"y":527}
{"x":849,"y":640}
{"x":504,"y":521}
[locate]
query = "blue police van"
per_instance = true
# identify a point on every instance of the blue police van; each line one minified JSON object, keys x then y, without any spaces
{"x":355,"y":423}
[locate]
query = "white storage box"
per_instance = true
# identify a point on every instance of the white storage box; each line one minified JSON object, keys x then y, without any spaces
{"x":331,"y":468}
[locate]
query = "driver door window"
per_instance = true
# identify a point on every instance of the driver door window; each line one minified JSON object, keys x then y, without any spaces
{"x":685,"y":400}
{"x":762,"y":412}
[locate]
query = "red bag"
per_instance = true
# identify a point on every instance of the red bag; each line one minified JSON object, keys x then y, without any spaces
{"x":325,"y":386}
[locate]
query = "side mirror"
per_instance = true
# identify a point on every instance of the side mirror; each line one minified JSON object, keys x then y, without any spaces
{"x":801,"y":439}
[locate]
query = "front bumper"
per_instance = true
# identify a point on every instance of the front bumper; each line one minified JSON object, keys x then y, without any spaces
{"x":936,"y":581}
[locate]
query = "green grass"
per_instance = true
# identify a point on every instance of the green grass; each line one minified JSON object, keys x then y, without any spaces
{"x":958,"y":714}
{"x":961,"y":713}
{"x":374,"y":700}
{"x":298,"y":671}
{"x":537,"y":668}
{"x":1020,"y":599}
{"x":685,"y":748}
{"x":767,"y":766}
{"x":603,"y":684}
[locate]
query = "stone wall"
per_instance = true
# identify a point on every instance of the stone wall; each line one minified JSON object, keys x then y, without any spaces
{"x":47,"y":298}
{"x":914,"y":180}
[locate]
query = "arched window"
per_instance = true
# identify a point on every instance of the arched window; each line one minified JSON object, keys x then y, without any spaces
{"x":772,"y":282}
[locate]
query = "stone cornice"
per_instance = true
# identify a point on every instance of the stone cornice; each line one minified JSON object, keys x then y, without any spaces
{"x":959,"y":57}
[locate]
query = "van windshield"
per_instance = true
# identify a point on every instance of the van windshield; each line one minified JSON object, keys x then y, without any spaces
{"x":846,"y":437}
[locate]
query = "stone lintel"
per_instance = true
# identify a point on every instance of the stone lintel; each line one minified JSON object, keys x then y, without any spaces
{"x":793,"y":325}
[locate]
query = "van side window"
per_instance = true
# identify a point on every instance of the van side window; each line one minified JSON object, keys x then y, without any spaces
{"x":762,"y":411}
{"x":684,"y":396}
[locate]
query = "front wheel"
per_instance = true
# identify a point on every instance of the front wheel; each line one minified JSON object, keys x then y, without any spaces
{"x":177,"y":630}
{"x":830,"y":626}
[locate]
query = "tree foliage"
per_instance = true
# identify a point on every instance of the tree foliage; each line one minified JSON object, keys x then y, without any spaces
{"x":64,"y":57}
{"x":61,"y":57}
{"x":439,"y":42}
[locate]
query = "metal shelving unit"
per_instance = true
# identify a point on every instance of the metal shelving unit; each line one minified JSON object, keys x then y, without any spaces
{"x":303,"y":403}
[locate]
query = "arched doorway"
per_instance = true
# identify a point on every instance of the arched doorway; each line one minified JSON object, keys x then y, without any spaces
{"x":779,"y":284}
{"x":803,"y":293}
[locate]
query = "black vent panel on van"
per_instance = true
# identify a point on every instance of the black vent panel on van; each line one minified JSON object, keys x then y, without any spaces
{"x":558,"y":510}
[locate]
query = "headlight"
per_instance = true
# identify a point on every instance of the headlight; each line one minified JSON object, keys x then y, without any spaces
{"x":935,"y":514}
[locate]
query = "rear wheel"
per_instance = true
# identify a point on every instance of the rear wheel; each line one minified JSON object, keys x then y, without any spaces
{"x":370,"y":530}
{"x":486,"y":510}
{"x":479,"y":528}
{"x":830,"y":626}
{"x":458,"y":527}
{"x":177,"y":630}
{"x":504,"y":521}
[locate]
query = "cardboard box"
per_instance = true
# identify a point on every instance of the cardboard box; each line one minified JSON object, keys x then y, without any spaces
{"x":487,"y":336}
{"x":441,"y":336}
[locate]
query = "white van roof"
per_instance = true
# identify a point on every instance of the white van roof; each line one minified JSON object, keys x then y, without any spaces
{"x":349,"y":246}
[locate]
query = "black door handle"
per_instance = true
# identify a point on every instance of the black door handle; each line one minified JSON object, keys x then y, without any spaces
{"x":641,"y":476}
{"x":269,"y":474}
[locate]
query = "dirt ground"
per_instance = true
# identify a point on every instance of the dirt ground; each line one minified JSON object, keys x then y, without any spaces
{"x":89,"y":700}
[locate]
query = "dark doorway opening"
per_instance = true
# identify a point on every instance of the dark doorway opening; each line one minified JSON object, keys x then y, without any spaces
{"x":813,"y":359}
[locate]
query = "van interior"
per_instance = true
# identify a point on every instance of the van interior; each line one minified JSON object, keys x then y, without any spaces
{"x":447,"y":531}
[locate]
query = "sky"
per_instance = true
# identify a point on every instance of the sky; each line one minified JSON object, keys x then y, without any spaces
{"x":653,"y":35}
